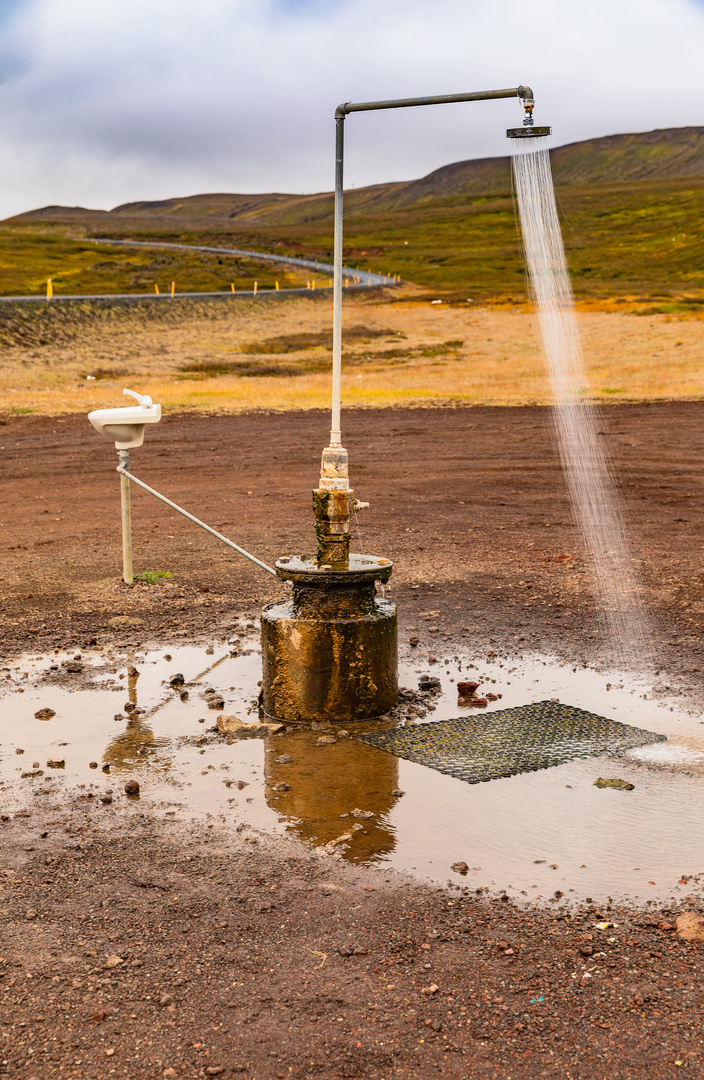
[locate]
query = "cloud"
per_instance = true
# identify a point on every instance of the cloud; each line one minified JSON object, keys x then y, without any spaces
{"x":121,"y":100}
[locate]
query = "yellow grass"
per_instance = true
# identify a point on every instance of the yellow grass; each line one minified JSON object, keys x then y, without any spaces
{"x":627,"y":358}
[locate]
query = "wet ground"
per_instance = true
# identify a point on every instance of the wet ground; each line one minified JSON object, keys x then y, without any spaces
{"x":537,"y":835}
{"x":282,"y":941}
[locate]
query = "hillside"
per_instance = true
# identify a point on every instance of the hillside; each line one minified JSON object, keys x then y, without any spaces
{"x":670,"y":153}
{"x":632,"y":206}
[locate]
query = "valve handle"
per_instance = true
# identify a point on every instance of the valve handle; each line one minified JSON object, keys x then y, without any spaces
{"x":144,"y":400}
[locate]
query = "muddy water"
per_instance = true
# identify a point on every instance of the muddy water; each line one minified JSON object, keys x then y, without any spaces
{"x":532,"y":835}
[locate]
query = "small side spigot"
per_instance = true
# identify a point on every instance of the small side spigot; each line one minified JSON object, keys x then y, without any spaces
{"x":143,"y":399}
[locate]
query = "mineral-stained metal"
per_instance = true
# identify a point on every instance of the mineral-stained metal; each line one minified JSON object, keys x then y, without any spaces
{"x":330,"y":653}
{"x":511,"y":741}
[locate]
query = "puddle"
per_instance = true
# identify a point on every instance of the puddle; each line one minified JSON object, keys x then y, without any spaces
{"x":533,"y":835}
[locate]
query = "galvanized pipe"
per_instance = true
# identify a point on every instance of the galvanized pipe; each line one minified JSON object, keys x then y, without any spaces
{"x":126,"y":509}
{"x":343,"y":110}
{"x":129,"y":478}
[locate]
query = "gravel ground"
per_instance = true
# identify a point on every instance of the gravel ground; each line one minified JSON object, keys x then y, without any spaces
{"x":148,"y":946}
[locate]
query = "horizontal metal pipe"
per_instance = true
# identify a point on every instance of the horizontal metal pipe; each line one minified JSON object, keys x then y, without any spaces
{"x":196,"y":521}
{"x":524,"y":92}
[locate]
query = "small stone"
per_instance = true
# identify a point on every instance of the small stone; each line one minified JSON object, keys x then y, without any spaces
{"x":132,"y":787}
{"x":106,"y":799}
{"x":110,"y":1052}
{"x":480,"y":701}
{"x":30,"y":914}
{"x":491,"y":697}
{"x":166,"y":999}
{"x":503,"y":945}
{"x":177,"y":679}
{"x":397,"y":793}
{"x":56,"y":763}
{"x":74,"y":666}
{"x":132,"y":672}
{"x":282,"y":786}
{"x":284,"y":759}
{"x":113,"y":962}
{"x":106,"y":768}
{"x":184,"y":695}
{"x":326,"y":740}
{"x":436,"y":1024}
{"x":232,"y":725}
{"x":214,"y":1070}
{"x":619,"y":785}
{"x":466,"y":689}
{"x":170,"y":1072}
{"x":690,"y":926}
{"x":362,"y":813}
{"x":460,"y":867}
{"x":413,"y":641}
{"x":129,"y":707}
{"x":19,"y":751}
{"x":429,"y":991}
{"x":586,"y":950}
{"x":118,"y":716}
{"x":44,"y":714}
{"x":92,"y":764}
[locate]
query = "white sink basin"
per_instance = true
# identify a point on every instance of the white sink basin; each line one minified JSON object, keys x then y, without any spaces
{"x":125,"y":426}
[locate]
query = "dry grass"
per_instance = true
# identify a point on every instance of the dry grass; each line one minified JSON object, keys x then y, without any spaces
{"x":425,"y":354}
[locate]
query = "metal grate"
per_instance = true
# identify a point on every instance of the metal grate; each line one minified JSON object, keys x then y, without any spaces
{"x":510,"y":741}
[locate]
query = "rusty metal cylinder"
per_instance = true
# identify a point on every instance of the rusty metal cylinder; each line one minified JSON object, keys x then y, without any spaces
{"x":330,"y":653}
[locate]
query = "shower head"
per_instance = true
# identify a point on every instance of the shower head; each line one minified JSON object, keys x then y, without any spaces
{"x":527,"y":132}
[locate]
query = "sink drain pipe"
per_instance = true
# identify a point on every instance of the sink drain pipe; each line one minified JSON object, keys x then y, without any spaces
{"x":126,"y":478}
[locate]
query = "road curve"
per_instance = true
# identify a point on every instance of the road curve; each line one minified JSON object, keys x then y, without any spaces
{"x":358,"y":279}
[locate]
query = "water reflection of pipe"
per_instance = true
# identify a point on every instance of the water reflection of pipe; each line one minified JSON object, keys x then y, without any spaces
{"x":327,"y":782}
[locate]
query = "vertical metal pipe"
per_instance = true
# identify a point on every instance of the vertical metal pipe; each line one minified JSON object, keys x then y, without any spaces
{"x":126,"y":505}
{"x":336,"y":433}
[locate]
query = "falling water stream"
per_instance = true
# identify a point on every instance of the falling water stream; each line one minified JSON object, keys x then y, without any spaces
{"x":595,"y":498}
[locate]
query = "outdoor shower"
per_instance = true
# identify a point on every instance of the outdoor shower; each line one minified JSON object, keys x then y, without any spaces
{"x":330,"y":652}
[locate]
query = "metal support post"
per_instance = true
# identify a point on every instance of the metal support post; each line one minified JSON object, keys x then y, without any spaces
{"x":126,"y":504}
{"x":335,"y":433}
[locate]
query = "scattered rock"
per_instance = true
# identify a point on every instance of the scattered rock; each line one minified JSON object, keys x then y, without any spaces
{"x":282,"y":786}
{"x":620,"y":785}
{"x":19,"y":750}
{"x":177,"y":679}
{"x":132,"y":672}
{"x":326,"y":740}
{"x":413,"y":641}
{"x":362,"y":813}
{"x":44,"y":714}
{"x":397,"y":793}
{"x":480,"y":701}
{"x":429,"y":991}
{"x":74,"y":666}
{"x":132,"y":788}
{"x":214,"y":1070}
{"x":166,"y":999}
{"x":213,"y":699}
{"x":92,"y":764}
{"x":460,"y":867}
{"x":113,"y":961}
{"x":107,"y":799}
{"x":690,"y":926}
{"x":429,"y":683}
{"x":232,"y":725}
{"x":436,"y":1024}
{"x":284,"y":759}
{"x":492,"y":697}
{"x":56,"y":763}
{"x":466,"y":689}
{"x":30,"y":914}
{"x":118,"y":716}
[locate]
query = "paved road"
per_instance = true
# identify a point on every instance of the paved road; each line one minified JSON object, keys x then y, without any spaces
{"x":358,"y":279}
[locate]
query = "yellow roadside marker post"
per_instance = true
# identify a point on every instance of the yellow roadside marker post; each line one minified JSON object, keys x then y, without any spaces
{"x":156,"y":289}
{"x":277,"y":286}
{"x":232,"y":285}
{"x":49,"y":289}
{"x":173,"y":289}
{"x":255,"y":288}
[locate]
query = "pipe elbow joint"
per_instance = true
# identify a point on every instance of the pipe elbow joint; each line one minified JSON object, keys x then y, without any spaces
{"x":525,"y":93}
{"x":341,"y":111}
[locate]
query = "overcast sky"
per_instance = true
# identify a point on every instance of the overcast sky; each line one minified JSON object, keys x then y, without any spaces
{"x":108,"y":101}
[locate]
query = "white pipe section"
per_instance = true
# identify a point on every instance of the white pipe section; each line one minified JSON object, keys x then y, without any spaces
{"x":196,"y":521}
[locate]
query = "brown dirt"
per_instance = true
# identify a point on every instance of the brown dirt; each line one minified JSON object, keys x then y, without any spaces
{"x":244,"y":936}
